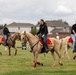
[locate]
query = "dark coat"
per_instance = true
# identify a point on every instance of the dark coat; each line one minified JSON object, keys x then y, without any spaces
{"x":5,"y":31}
{"x":43,"y":29}
{"x":73,"y":28}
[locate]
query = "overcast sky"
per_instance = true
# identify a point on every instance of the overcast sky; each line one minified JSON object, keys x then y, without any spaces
{"x":34,"y":10}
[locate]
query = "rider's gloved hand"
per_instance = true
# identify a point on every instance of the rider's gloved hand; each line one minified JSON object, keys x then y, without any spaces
{"x":43,"y":35}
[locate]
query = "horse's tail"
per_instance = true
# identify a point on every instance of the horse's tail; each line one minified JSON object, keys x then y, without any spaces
{"x":60,"y":45}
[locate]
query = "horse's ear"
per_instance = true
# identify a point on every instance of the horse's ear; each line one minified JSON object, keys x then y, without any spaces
{"x":24,"y":32}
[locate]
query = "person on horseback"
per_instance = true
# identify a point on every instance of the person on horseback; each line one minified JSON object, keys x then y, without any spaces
{"x":6,"y":34}
{"x":43,"y":31}
{"x":73,"y":35}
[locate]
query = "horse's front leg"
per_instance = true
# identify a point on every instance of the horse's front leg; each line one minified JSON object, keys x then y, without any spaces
{"x":15,"y":50}
{"x":66,"y":51}
{"x":35,"y":59}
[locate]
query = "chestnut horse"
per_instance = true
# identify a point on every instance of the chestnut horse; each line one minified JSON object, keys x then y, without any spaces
{"x":11,"y":41}
{"x":37,"y":47}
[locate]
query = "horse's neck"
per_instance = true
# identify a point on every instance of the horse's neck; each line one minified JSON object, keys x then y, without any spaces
{"x":14,"y":37}
{"x":31,"y":38}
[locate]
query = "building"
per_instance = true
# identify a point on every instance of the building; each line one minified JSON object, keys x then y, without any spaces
{"x":18,"y":27}
{"x":57,"y":26}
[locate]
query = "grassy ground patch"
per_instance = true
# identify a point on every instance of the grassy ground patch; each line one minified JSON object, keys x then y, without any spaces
{"x":22,"y":64}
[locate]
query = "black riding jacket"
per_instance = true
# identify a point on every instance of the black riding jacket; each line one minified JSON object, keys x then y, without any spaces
{"x":43,"y":29}
{"x":5,"y":31}
{"x":73,"y":28}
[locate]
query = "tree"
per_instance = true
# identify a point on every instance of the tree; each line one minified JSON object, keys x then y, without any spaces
{"x":1,"y":26}
{"x":66,"y":23}
{"x":33,"y":30}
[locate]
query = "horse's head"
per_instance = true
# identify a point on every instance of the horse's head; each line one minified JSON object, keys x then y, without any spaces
{"x":23,"y":38}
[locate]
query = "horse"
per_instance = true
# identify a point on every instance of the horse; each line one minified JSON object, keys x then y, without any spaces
{"x":36,"y":47}
{"x":11,"y":41}
{"x":66,"y":44}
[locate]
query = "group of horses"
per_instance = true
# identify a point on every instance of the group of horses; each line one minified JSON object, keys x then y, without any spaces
{"x":36,"y":46}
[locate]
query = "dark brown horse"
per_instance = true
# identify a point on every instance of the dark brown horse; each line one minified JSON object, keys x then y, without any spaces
{"x":11,"y":41}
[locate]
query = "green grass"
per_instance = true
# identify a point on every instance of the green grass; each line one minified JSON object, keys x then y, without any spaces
{"x":22,"y":64}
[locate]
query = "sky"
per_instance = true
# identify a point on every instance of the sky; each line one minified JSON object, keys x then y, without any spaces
{"x":31,"y":11}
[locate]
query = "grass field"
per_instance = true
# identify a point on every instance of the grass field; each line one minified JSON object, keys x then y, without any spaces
{"x":22,"y":64}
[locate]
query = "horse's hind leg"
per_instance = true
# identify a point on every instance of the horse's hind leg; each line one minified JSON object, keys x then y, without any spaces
{"x":59,"y":55}
{"x":53,"y":55}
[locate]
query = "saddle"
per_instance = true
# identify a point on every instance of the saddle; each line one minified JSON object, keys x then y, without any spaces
{"x":70,"y":40}
{"x":49,"y":43}
{"x":2,"y":40}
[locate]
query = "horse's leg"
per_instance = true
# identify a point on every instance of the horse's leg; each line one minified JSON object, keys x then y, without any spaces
{"x":66,"y":51}
{"x":35,"y":59}
{"x":15,"y":50}
{"x":74,"y":57}
{"x":53,"y":55}
{"x":9,"y":50}
{"x":59,"y":55}
{"x":67,"y":54}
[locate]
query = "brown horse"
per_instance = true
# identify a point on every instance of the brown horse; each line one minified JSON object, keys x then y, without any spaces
{"x":36,"y":47}
{"x":11,"y":41}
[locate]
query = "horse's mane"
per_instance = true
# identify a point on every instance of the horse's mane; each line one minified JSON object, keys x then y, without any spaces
{"x":13,"y":36}
{"x":30,"y":35}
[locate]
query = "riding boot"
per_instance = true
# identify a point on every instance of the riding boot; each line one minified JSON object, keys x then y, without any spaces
{"x":46,"y":50}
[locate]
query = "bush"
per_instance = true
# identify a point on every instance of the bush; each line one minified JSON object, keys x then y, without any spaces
{"x":33,"y":30}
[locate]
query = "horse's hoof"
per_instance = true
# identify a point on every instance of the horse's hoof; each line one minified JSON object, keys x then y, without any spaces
{"x":31,"y":51}
{"x":0,"y":53}
{"x":74,"y":57}
{"x":41,"y":64}
{"x":61,"y":64}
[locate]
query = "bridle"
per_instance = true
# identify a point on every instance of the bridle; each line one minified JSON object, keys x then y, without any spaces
{"x":28,"y":40}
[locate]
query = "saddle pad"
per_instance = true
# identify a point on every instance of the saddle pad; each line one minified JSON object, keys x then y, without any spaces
{"x":49,"y":42}
{"x":2,"y":39}
{"x":70,"y":40}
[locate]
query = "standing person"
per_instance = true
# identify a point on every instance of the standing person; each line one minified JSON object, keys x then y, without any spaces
{"x":6,"y":33}
{"x":73,"y":35}
{"x":43,"y":31}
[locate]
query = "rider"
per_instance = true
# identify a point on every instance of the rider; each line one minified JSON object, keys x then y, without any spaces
{"x":43,"y":31}
{"x":73,"y":35}
{"x":6,"y":33}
